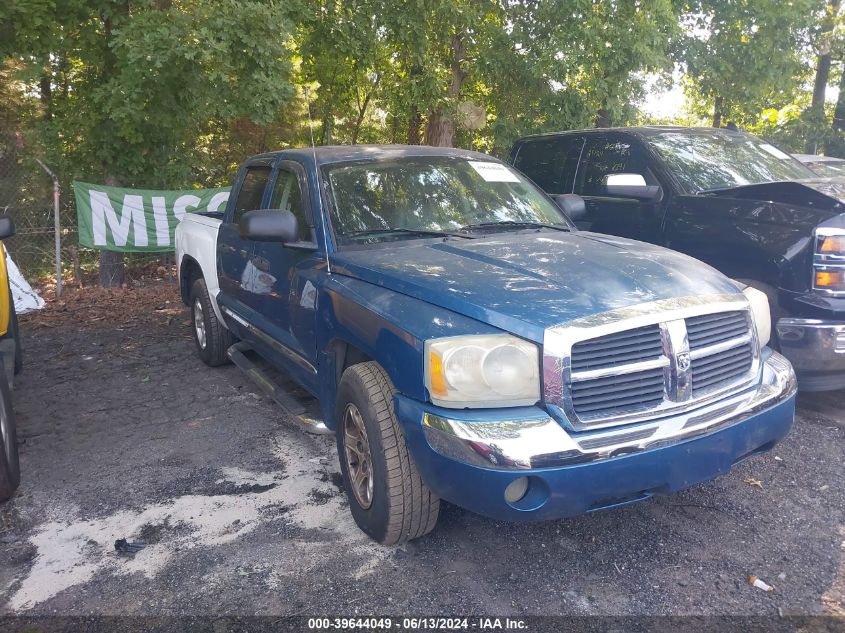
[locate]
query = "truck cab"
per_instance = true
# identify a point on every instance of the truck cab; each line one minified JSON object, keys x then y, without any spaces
{"x":727,"y":198}
{"x":465,"y":341}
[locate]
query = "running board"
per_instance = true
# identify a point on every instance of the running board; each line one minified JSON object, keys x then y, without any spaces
{"x":278,"y":393}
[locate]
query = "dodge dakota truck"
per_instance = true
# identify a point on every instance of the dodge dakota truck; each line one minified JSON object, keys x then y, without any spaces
{"x":465,"y":342}
{"x":727,"y":198}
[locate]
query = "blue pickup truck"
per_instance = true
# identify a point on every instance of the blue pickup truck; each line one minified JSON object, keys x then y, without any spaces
{"x":466,"y":342}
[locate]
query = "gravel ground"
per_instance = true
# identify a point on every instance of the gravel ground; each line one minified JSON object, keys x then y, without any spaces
{"x":126,"y":434}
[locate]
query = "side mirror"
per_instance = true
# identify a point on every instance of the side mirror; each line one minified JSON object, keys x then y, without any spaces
{"x":631,"y":186}
{"x":269,"y":225}
{"x":572,"y":205}
{"x":7,"y":227}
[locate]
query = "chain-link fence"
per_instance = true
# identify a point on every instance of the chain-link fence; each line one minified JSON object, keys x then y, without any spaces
{"x":26,"y":194}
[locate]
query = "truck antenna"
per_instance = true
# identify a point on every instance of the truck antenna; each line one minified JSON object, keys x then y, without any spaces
{"x":317,"y":171}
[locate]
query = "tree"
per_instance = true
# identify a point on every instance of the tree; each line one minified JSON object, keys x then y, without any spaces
{"x":740,"y":56}
{"x":437,"y":48}
{"x":345,"y":55}
{"x":603,"y":48}
{"x":144,"y":81}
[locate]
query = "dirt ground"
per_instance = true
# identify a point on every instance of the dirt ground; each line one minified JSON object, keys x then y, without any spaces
{"x":126,"y":434}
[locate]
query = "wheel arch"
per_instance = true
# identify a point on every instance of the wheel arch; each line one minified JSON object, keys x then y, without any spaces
{"x":339,"y":355}
{"x":189,"y":271}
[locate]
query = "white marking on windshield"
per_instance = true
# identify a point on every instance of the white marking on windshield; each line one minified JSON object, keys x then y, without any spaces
{"x":493,"y":172}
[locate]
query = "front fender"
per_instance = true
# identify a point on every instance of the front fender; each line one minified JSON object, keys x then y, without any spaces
{"x":746,"y":239}
{"x":389,"y":327}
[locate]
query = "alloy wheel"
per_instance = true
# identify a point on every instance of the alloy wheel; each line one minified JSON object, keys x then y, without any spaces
{"x":199,"y":323}
{"x":359,"y":461}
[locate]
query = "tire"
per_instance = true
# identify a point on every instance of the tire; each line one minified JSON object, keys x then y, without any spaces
{"x":10,"y":468}
{"x":15,"y":333}
{"x":210,"y":335}
{"x":400,"y":507}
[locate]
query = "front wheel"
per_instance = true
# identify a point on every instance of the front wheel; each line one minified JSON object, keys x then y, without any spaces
{"x":388,"y":498}
{"x":10,"y":468}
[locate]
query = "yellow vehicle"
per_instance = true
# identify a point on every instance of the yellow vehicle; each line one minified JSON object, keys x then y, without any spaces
{"x":10,"y":364}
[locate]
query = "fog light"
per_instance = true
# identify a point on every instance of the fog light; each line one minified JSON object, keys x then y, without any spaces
{"x":516,"y":490}
{"x":839,"y":345}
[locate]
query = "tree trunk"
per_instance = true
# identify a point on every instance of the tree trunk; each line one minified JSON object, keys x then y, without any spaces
{"x":440,"y":129}
{"x":326,"y":138}
{"x":823,"y":62}
{"x":394,"y":128}
{"x":415,"y":127}
{"x":46,"y":90}
{"x":822,"y":75}
{"x":112,"y":268}
{"x":718,"y":105}
{"x":362,"y":111}
{"x":839,"y":114}
{"x":602,"y":118}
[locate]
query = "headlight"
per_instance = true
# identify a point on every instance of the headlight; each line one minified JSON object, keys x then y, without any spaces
{"x":496,"y":370}
{"x":760,"y":312}
{"x":831,"y":244}
{"x":829,"y":261}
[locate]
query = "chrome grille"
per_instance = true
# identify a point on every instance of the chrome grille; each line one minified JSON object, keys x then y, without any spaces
{"x":630,"y":346}
{"x":712,"y":372}
{"x":720,"y":346}
{"x":709,"y":329}
{"x":617,"y":394}
{"x":653,"y":369}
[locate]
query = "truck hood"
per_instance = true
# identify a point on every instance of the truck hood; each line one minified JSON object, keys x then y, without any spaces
{"x":526,"y":282}
{"x":825,"y":196}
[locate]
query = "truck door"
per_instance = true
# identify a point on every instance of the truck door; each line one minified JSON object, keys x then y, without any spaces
{"x":235,"y":271}
{"x":283,"y":292}
{"x":606,"y":155}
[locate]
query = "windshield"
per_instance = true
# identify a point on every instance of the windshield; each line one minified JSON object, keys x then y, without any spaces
{"x":716,"y":160}
{"x":412,"y":198}
{"x":828,"y":168}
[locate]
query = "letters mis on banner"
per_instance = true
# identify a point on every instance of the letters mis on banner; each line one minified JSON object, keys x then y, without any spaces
{"x":137,"y":220}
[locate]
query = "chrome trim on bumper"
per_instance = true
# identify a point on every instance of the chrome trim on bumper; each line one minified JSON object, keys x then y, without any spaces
{"x":543,"y":443}
{"x":810,"y":344}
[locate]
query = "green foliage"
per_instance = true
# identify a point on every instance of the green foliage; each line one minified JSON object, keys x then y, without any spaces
{"x":136,"y":89}
{"x":792,"y":127}
{"x":175,"y":93}
{"x":742,"y":56}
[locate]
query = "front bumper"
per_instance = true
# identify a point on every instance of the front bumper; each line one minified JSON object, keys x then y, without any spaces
{"x":816,"y":349}
{"x":469,"y":458}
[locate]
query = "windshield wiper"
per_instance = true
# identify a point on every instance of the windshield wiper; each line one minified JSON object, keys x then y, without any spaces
{"x":719,"y":189}
{"x":404,"y":230}
{"x":513,"y":224}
